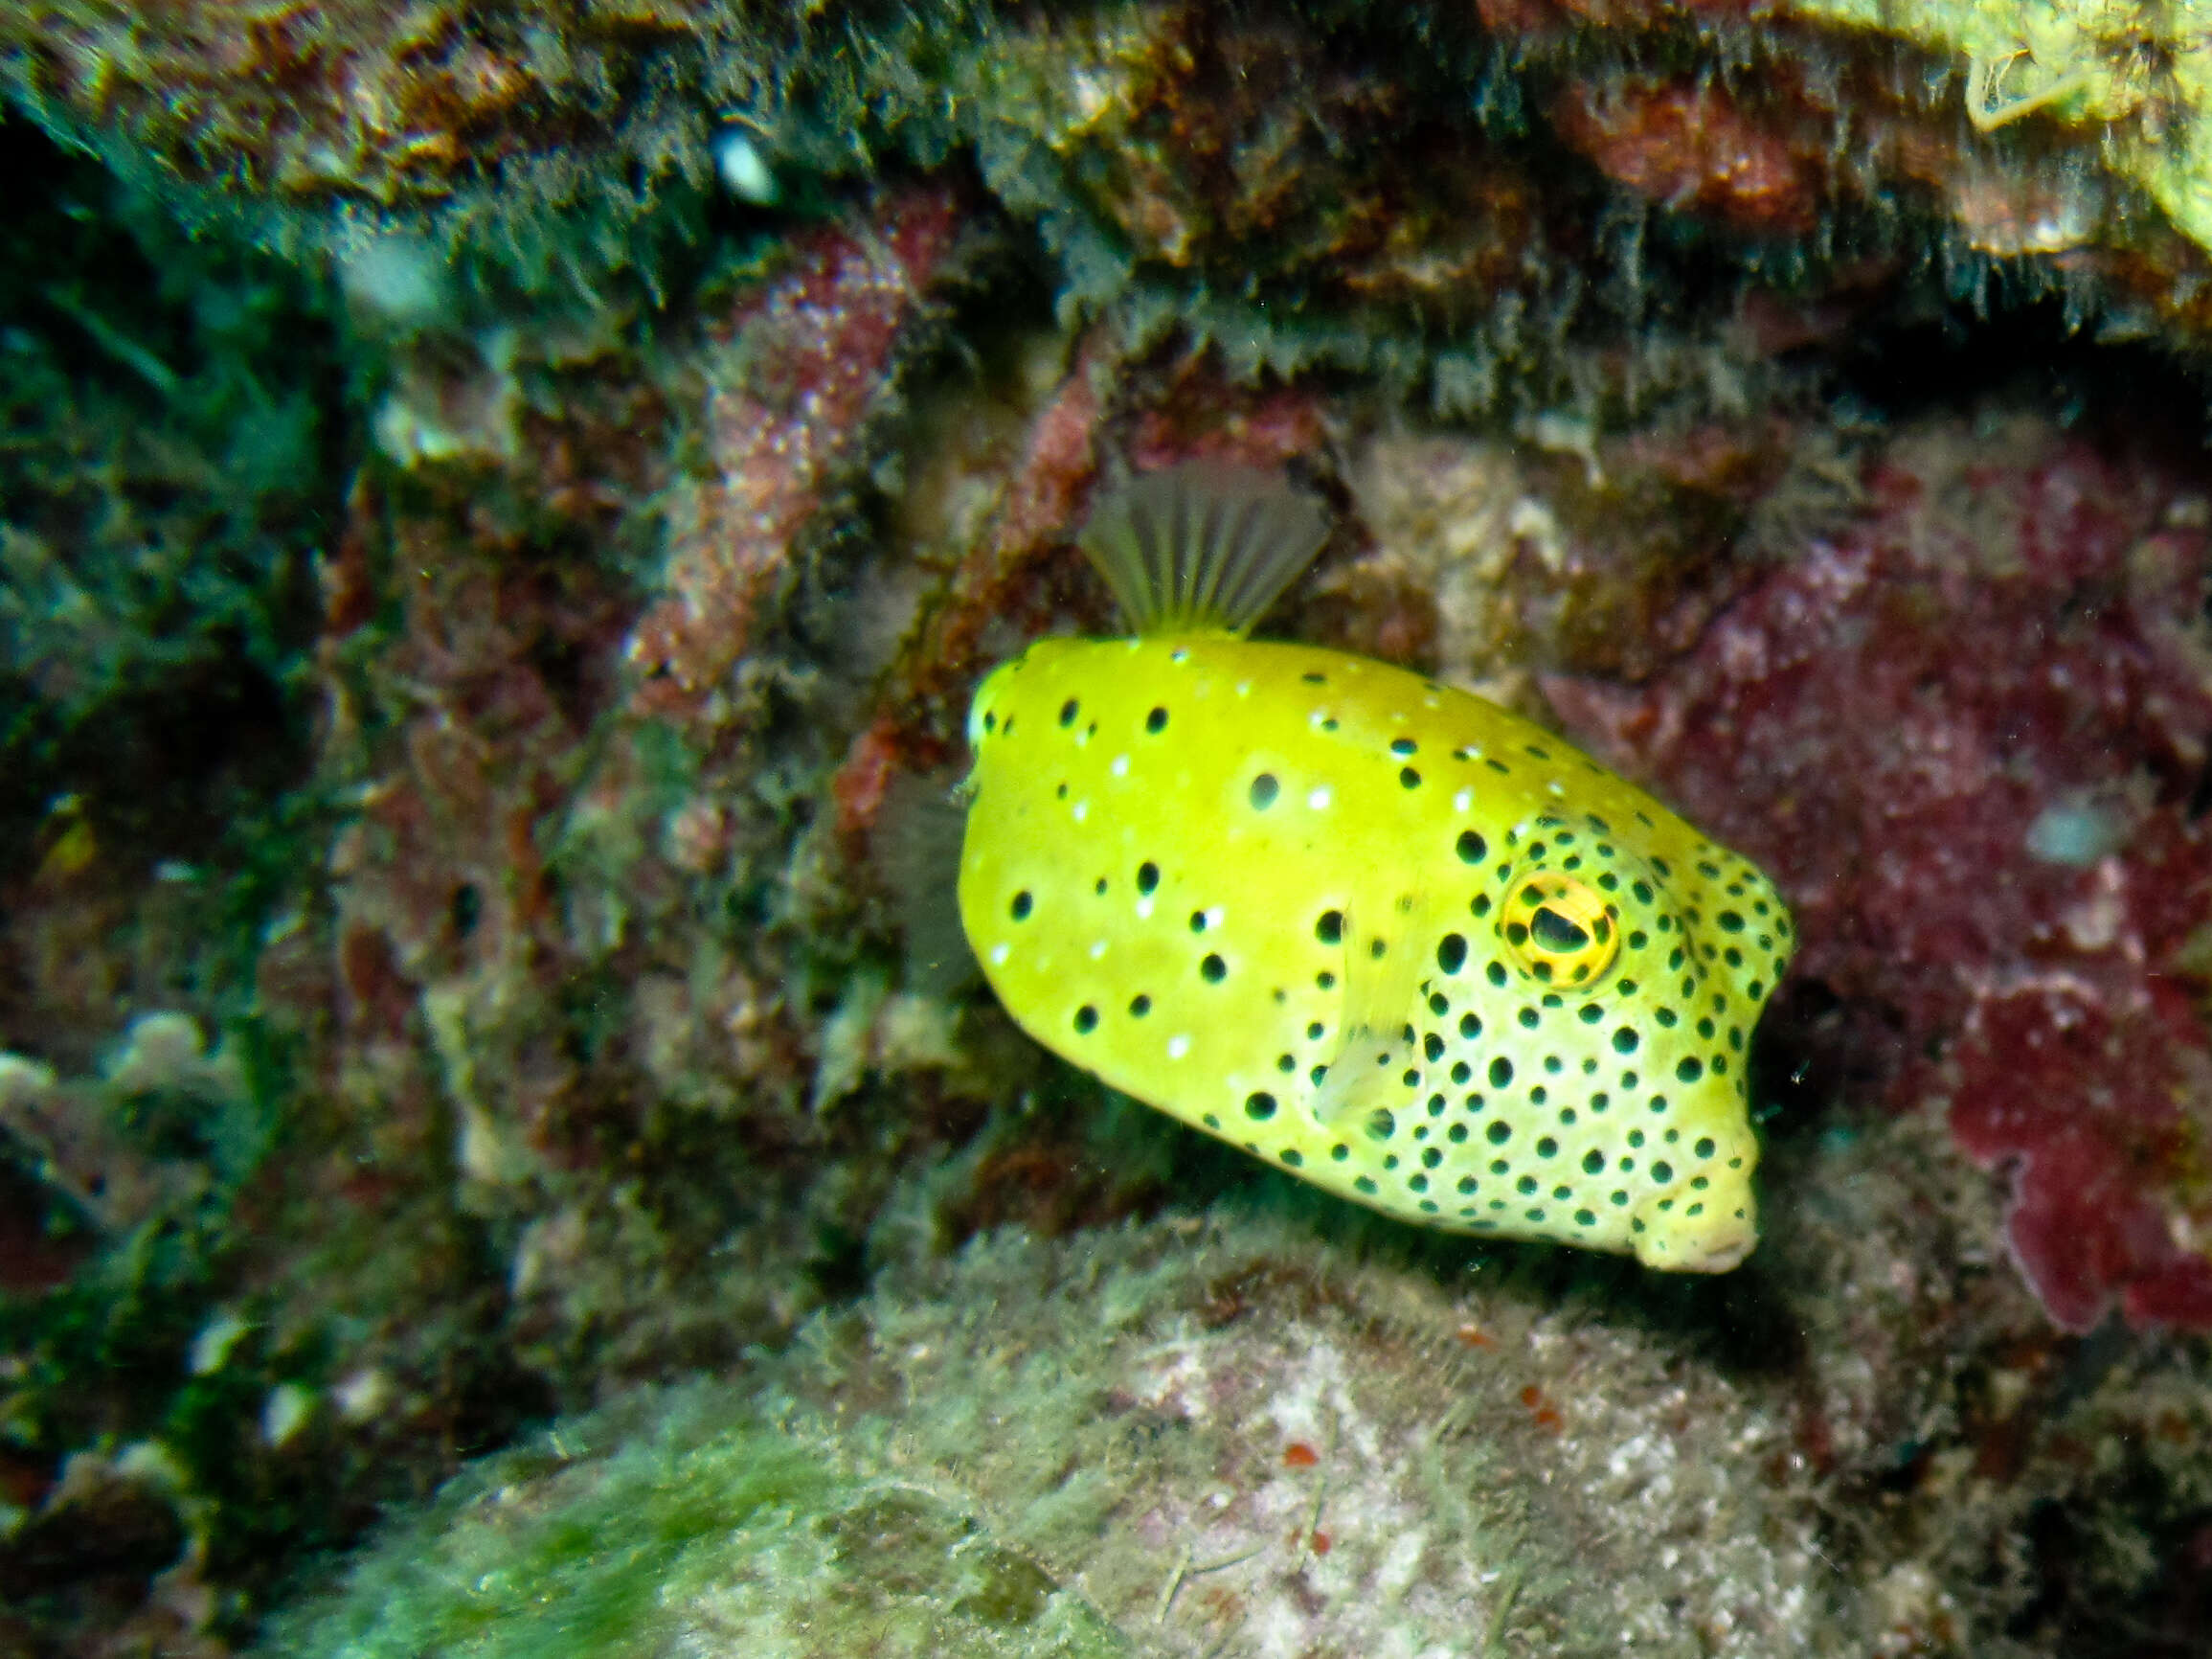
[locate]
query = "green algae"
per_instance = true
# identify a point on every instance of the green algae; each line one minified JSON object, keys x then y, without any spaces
{"x":687,"y":1518}
{"x":1124,"y":143}
{"x":2140,"y":77}
{"x":165,"y":416}
{"x":1220,"y":1434}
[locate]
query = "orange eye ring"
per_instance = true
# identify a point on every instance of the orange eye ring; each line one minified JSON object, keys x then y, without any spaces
{"x":1559,"y":931}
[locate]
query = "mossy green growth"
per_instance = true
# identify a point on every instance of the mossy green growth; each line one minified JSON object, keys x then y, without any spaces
{"x":2135,"y":81}
{"x":686,"y":1522}
{"x":167,"y":483}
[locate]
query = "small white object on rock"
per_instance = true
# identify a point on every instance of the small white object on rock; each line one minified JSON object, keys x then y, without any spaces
{"x":742,"y":167}
{"x":285,"y":1413}
{"x":2076,"y":830}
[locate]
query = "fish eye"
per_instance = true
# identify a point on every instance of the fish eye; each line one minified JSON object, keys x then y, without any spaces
{"x":1557,"y":930}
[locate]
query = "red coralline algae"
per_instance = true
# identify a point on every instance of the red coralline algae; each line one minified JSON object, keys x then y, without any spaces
{"x":997,"y":583}
{"x":1967,"y":738}
{"x":817,"y":346}
{"x":1691,"y":146}
{"x":863,"y":784}
{"x":998,"y":580}
{"x":1020,"y":575}
{"x":2090,"y":1098}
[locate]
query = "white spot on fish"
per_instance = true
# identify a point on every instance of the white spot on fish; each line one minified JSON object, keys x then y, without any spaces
{"x":1144,"y":910}
{"x":1083,"y":808}
{"x":1120,"y":766}
{"x":1464,"y":800}
{"x":998,"y":956}
{"x":1244,"y":688}
{"x":1319,"y":800}
{"x":1178,"y":1047}
{"x":1098,"y":949}
{"x":1214,"y":916}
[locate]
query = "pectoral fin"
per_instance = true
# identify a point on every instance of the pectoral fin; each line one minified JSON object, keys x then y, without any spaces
{"x":1376,"y":1043}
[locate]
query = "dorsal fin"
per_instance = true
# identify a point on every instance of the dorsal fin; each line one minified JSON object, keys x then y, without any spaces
{"x":1201,"y":548}
{"x":1375,"y":1043}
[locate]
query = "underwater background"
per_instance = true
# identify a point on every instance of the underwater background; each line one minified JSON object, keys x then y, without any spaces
{"x":503,"y":508}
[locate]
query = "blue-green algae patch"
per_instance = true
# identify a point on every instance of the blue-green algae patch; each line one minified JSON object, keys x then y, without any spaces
{"x":685,"y":1521}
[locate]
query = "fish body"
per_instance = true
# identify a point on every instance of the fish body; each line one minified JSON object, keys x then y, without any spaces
{"x":1376,"y":931}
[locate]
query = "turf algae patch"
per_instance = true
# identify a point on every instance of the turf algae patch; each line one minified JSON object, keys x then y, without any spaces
{"x":686,"y":1523}
{"x":1231,"y":1439}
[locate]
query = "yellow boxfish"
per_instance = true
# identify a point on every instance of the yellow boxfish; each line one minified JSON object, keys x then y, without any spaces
{"x":1372,"y":929}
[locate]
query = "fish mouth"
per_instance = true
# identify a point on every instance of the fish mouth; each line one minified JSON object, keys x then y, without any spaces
{"x":1715,"y":1244}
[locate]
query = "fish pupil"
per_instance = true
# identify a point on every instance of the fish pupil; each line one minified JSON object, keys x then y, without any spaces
{"x":1555,"y":933}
